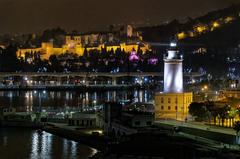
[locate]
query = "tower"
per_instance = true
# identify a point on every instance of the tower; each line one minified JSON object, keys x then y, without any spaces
{"x":173,"y":102}
{"x":129,"y":31}
{"x":173,"y":71}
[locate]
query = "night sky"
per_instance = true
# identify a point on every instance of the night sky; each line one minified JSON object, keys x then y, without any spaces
{"x":26,"y":16}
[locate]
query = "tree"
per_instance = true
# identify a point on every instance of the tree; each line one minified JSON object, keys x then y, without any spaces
{"x":232,"y":113}
{"x":223,"y":113}
{"x":198,"y":110}
{"x":9,"y":59}
{"x":55,"y":64}
{"x":236,"y":127}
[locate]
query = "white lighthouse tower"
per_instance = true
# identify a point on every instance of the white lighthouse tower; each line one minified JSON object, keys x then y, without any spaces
{"x":173,"y":102}
{"x":173,"y":71}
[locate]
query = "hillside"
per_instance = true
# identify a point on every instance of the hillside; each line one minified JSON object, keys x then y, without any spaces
{"x":219,"y":28}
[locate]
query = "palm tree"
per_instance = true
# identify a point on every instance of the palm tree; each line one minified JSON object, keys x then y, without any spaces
{"x":232,"y":114}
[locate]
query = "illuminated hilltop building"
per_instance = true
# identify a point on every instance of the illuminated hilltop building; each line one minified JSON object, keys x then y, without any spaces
{"x":91,"y":41}
{"x":173,"y":102}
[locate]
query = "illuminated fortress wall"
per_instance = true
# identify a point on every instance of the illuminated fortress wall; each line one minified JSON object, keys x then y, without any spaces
{"x":173,"y":73}
{"x":77,"y":44}
{"x":74,"y":46}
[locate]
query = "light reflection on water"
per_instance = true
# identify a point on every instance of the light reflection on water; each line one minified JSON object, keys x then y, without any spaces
{"x":41,"y":145}
{"x":33,"y":100}
{"x":30,"y":144}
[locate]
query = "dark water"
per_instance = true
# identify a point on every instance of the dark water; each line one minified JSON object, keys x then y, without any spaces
{"x":58,"y":100}
{"x":29,"y":144}
{"x":18,"y":143}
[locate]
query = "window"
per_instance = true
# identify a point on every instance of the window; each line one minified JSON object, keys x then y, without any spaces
{"x":169,"y":100}
{"x":176,"y":100}
{"x":176,"y":108}
{"x":169,"y":107}
{"x":162,"y":100}
{"x":137,"y":122}
{"x":162,"y":107}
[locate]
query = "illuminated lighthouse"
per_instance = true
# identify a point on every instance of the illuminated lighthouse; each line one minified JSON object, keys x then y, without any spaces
{"x":173,"y":71}
{"x":173,"y":102}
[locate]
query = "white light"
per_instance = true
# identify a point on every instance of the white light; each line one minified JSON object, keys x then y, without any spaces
{"x":171,"y":54}
{"x":172,"y":44}
{"x":173,"y":78}
{"x":193,"y":81}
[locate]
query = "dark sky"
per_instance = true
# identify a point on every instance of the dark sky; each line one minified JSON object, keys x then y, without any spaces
{"x":25,"y":16}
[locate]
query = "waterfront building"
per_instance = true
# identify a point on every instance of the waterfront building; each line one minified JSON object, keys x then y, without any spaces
{"x":230,"y":93}
{"x":127,"y":119}
{"x":8,"y":111}
{"x":85,"y":120}
{"x":173,"y":102}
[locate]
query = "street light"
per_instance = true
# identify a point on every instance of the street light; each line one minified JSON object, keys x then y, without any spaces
{"x":205,"y":87}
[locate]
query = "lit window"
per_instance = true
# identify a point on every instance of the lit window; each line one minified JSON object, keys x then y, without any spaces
{"x":162,"y":100}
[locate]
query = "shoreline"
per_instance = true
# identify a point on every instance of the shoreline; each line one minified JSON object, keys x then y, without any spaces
{"x":75,"y":87}
{"x":98,"y":142}
{"x":95,"y":141}
{"x":107,"y":148}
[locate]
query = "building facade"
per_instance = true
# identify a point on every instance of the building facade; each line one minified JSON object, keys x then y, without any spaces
{"x":172,"y":105}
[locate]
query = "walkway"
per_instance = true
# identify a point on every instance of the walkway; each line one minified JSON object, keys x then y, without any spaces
{"x":198,"y":125}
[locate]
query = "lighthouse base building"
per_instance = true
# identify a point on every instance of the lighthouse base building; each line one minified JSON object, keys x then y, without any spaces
{"x":172,"y":105}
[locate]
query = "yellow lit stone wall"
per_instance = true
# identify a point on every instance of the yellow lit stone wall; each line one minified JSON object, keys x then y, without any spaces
{"x":47,"y":50}
{"x":128,"y":47}
{"x":22,"y":52}
{"x":99,"y":47}
{"x":172,"y":105}
{"x":114,"y":48}
{"x":79,"y":50}
{"x":146,"y":48}
{"x":74,"y":45}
